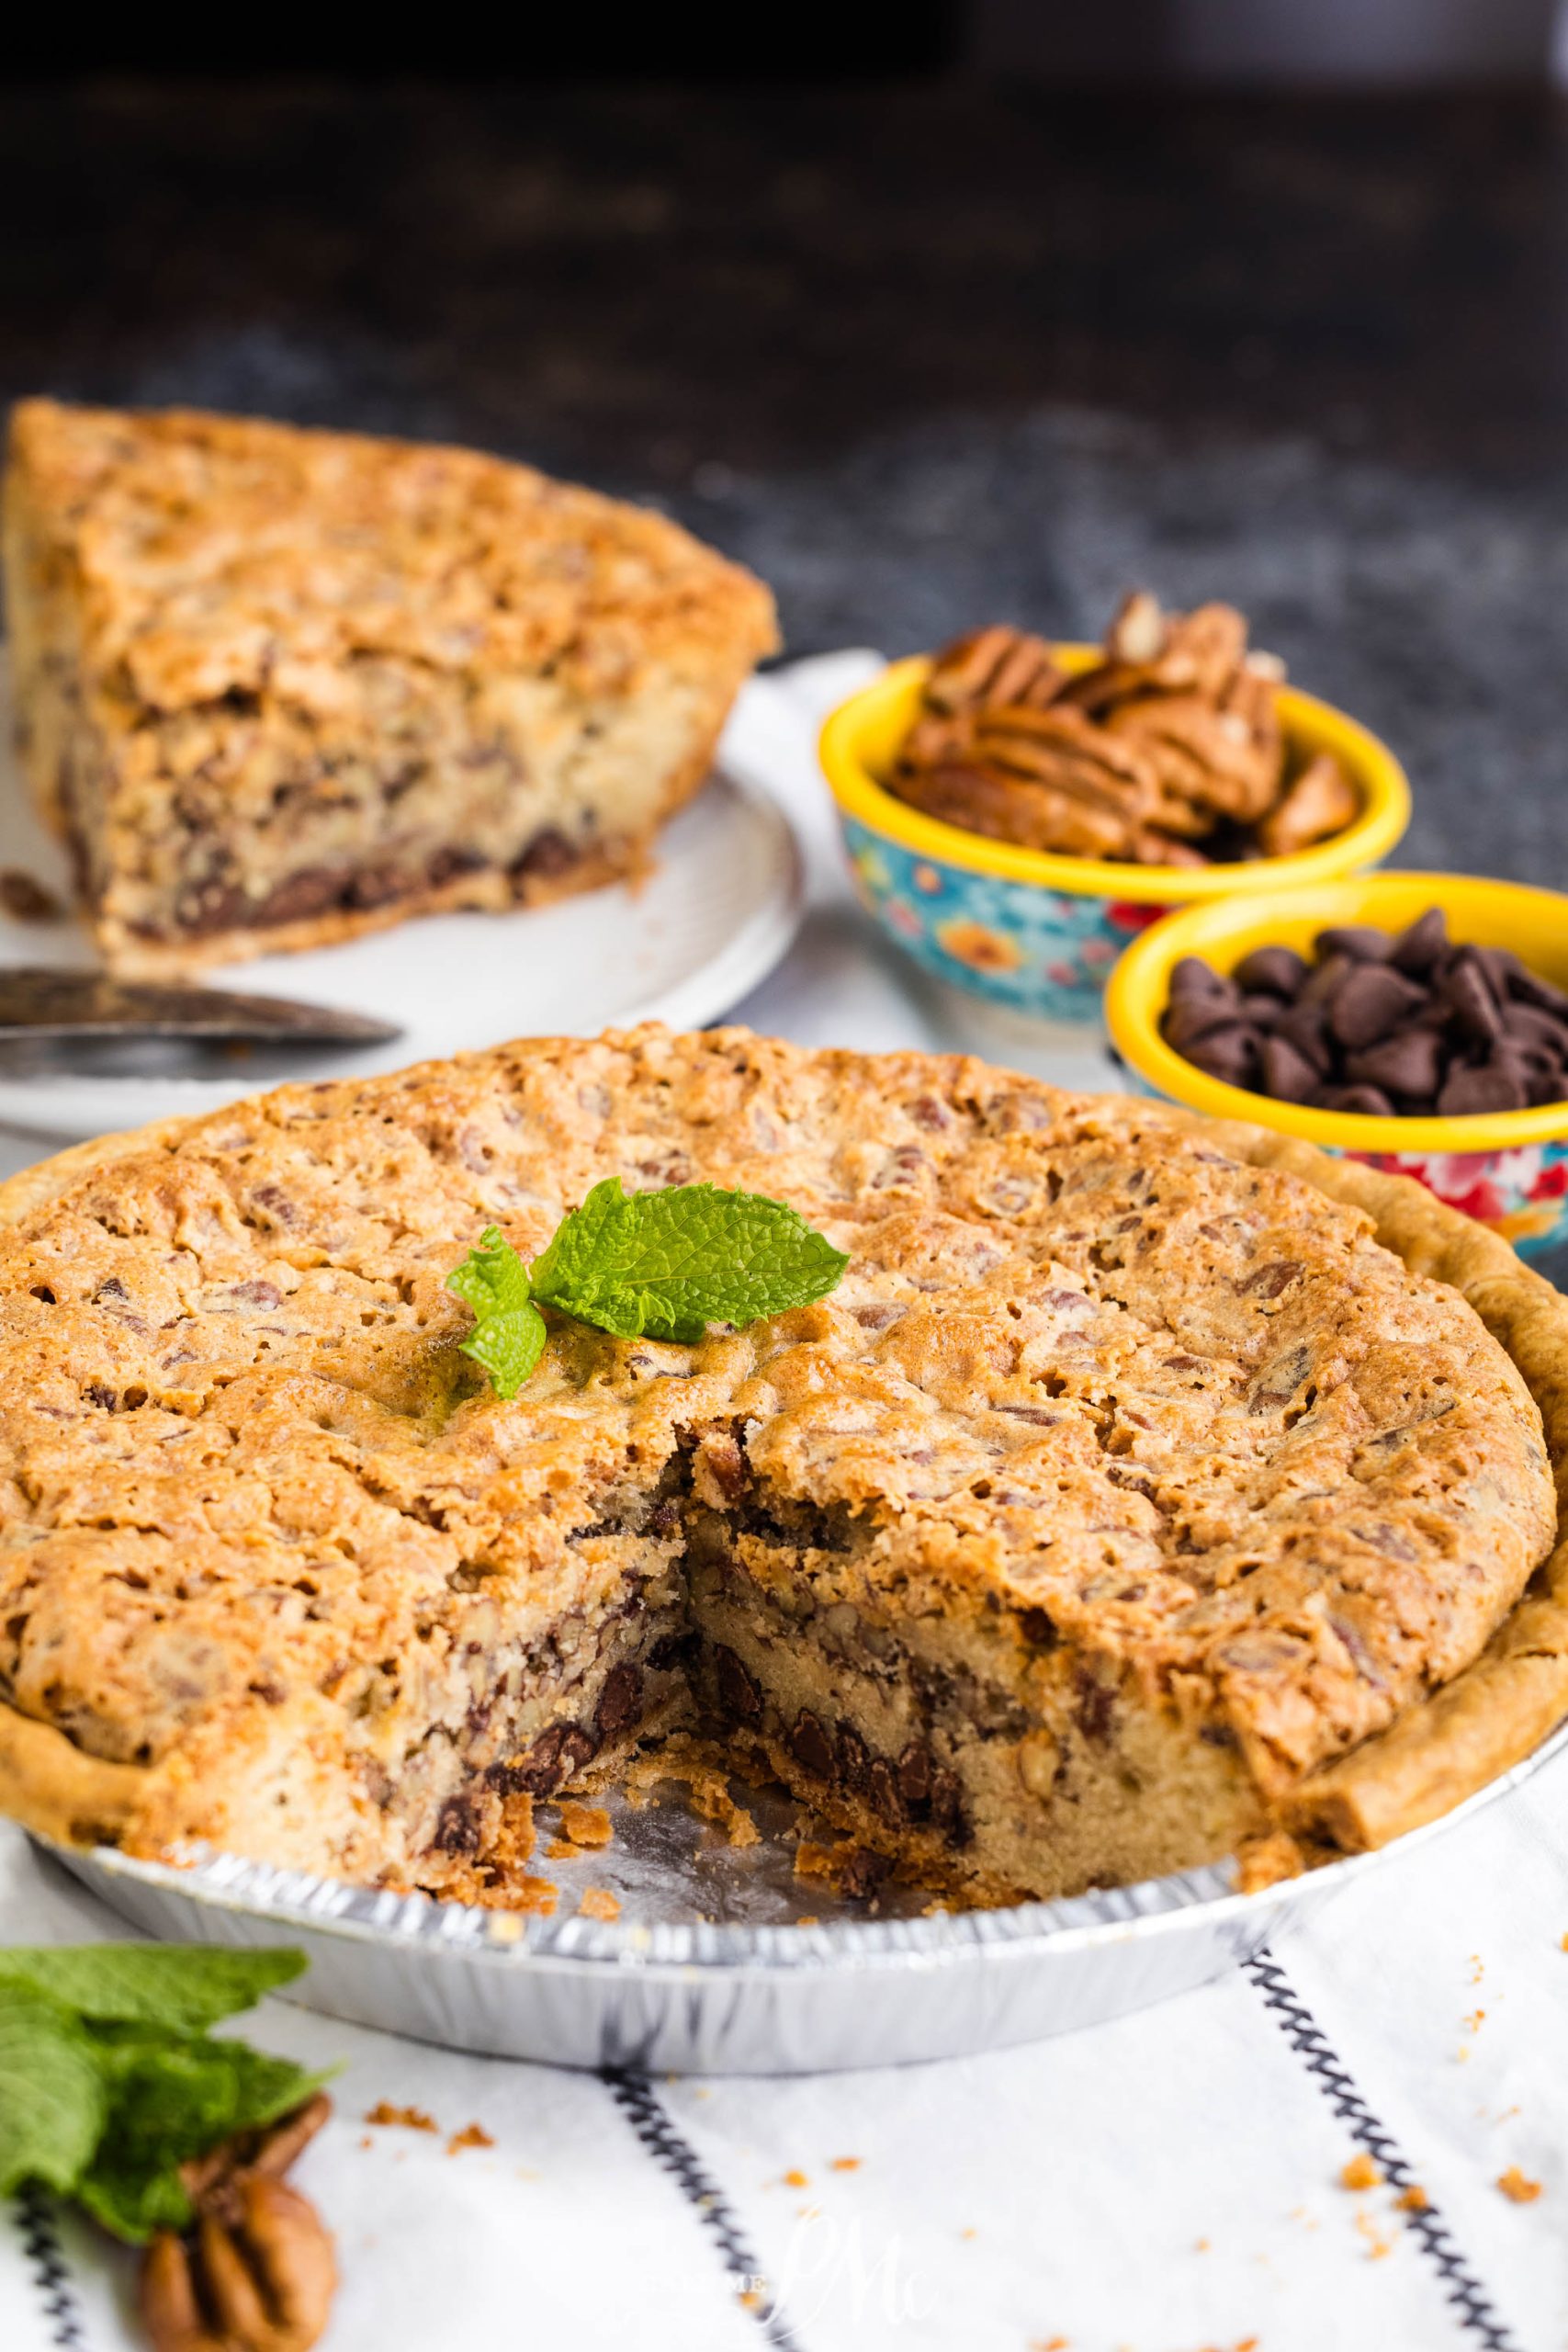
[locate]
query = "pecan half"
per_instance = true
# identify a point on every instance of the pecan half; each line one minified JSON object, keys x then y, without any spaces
{"x":996,"y":666}
{"x":257,"y":2272}
{"x":262,"y":2283}
{"x":1321,"y":801}
{"x":209,"y":2181}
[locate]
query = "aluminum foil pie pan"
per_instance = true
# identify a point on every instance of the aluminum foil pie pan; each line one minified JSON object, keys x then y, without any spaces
{"x":723,"y":1960}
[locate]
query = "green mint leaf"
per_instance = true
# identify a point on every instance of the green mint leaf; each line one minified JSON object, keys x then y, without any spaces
{"x":509,"y":1331}
{"x":108,"y":2082}
{"x":53,"y":2102}
{"x":184,"y":1987}
{"x":670,"y":1263}
{"x":170,"y":2097}
{"x":565,"y":1267}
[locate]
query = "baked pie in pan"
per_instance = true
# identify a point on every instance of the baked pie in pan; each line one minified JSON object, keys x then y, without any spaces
{"x":1147,"y":1492}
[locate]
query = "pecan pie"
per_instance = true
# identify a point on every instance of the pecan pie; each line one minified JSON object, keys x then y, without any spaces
{"x":1147,"y":1487}
{"x":276,"y":687}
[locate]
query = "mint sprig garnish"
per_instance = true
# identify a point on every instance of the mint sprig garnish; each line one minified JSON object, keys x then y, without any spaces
{"x":643,"y":1265}
{"x":509,"y":1330}
{"x":109,"y":2080}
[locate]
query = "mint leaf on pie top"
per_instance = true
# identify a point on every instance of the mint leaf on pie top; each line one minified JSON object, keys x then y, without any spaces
{"x":509,"y":1331}
{"x":667,"y":1264}
{"x":661,"y":1265}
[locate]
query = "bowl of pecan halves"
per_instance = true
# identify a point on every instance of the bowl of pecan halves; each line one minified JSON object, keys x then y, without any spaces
{"x":1015,"y":812}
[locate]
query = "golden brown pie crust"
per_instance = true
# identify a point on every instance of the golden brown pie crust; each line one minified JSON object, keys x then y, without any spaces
{"x":1437,"y":1751}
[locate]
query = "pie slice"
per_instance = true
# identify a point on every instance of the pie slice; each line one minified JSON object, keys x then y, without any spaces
{"x":276,"y":687}
{"x":1147,"y":1491}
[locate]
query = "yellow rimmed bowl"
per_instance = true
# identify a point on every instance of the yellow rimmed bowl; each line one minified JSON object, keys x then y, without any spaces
{"x":1034,"y":930}
{"x":1507,"y":1169}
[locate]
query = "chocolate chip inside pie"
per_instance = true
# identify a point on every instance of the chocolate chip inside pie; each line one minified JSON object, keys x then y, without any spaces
{"x":1130,"y":1499}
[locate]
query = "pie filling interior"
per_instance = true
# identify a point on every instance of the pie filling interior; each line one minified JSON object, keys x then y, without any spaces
{"x":911,"y":1734}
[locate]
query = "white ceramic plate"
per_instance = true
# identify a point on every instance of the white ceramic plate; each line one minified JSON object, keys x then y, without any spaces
{"x":718,"y":912}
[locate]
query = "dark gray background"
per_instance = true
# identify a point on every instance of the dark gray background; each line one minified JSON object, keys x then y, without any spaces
{"x":922,"y":356}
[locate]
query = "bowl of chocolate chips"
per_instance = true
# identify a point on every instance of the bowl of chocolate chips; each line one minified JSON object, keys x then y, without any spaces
{"x":1417,"y":1022}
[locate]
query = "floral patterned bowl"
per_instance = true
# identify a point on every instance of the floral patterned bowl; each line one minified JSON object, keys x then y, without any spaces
{"x":1507,"y":1169}
{"x":1038,"y":932}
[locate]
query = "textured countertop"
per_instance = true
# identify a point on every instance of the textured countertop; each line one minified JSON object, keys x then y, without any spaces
{"x":921,"y":356}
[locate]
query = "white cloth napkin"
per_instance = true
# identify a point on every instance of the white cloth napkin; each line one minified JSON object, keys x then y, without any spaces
{"x":1163,"y":2184}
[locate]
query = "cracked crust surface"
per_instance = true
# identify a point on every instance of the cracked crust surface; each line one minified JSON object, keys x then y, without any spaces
{"x":1253,"y":1437}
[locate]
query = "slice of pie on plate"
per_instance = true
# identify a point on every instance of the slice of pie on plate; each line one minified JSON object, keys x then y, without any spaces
{"x":278,"y":687}
{"x":1147,"y":1491}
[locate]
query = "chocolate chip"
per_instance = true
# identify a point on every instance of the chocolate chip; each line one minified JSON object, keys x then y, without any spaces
{"x":546,"y":1765}
{"x":1305,"y":1027}
{"x":1229,"y":1054}
{"x":26,"y":899}
{"x":1366,"y":1101}
{"x":1410,"y":1063}
{"x":457,"y":1826}
{"x":915,"y":1770}
{"x":739,"y":1692}
{"x":1423,"y":945}
{"x":862,"y":1873}
{"x":1094,"y":1706}
{"x":854,"y":1761}
{"x":1490,"y":1088}
{"x":620,"y":1701}
{"x":1287,"y":1076}
{"x":1278,"y":971}
{"x":1532,"y":1027}
{"x":1528,"y":988}
{"x":1356,"y":940}
{"x":549,"y":854}
{"x":1194,"y":1018}
{"x":577,"y":1748}
{"x":947,"y":1807}
{"x":810,"y":1745}
{"x":1371,"y":1002}
{"x":882,"y":1791}
{"x":1192,"y":978}
{"x":1466,"y":989}
{"x":1322,"y":983}
{"x":1499,"y":964}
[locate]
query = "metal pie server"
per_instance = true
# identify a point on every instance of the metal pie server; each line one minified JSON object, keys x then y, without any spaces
{"x":47,"y":1010}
